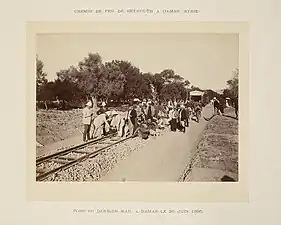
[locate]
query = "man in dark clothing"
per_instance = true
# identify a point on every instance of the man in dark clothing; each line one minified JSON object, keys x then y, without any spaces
{"x":133,"y":117}
{"x":149,"y":113}
{"x":216,"y":105}
{"x":222,"y":105}
{"x":183,"y":118}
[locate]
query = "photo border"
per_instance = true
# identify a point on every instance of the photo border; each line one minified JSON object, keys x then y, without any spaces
{"x":139,"y":191}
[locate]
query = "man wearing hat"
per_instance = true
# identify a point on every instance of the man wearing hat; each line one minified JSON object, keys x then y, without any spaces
{"x":87,"y":119}
{"x":102,"y":109}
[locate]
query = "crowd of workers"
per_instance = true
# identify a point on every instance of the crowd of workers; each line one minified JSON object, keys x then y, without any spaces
{"x":147,"y":117}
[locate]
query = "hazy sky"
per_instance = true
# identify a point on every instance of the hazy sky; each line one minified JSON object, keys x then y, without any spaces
{"x":206,"y":60}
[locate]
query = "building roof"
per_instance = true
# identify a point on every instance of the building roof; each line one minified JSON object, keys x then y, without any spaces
{"x":196,"y":93}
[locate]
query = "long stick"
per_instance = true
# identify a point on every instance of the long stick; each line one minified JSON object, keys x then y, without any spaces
{"x":79,"y":130}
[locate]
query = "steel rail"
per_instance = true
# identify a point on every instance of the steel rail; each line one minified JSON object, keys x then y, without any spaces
{"x":67,"y":151}
{"x":45,"y":175}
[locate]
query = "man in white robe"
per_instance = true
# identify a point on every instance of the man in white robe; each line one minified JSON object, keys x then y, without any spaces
{"x":98,"y":124}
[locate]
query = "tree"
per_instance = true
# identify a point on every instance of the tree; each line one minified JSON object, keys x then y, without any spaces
{"x":209,"y":95}
{"x":138,"y":86}
{"x":227,"y":93}
{"x":186,"y":83}
{"x":145,"y":86}
{"x":173,"y":91}
{"x":169,"y":76}
{"x":40,"y":74}
{"x":194,"y":88}
{"x":127,"y":68}
{"x":166,"y":77}
{"x":86,"y":76}
{"x":117,"y":79}
{"x":158,"y":82}
{"x":41,"y":79}
{"x":132,"y":79}
{"x":111,"y":83}
{"x":233,"y":84}
{"x":66,"y":91}
{"x":94,"y":79}
{"x":47,"y":93}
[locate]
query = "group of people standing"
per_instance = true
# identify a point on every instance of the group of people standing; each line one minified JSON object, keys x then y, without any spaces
{"x":181,"y":113}
{"x":175,"y":114}
{"x":149,"y":115}
{"x":219,"y":105}
{"x":93,"y":121}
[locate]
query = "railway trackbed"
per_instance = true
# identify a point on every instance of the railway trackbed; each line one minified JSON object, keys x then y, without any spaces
{"x":62,"y":160}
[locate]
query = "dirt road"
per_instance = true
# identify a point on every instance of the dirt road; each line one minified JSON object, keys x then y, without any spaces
{"x":164,"y":158}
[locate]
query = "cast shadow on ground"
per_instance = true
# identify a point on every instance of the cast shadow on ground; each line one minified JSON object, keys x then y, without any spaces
{"x":232,"y":117}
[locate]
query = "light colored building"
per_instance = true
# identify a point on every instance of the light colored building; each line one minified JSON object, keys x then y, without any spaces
{"x":196,"y":95}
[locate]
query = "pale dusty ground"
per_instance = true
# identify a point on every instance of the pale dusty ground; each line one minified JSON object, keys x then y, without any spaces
{"x":163,"y":158}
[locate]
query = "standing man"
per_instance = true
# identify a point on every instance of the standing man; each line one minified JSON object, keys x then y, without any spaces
{"x":216,"y":106}
{"x":173,"y":116}
{"x":87,"y":119}
{"x":188,"y":112}
{"x":133,"y":118}
{"x":183,"y":118}
{"x":227,"y":102}
{"x":150,"y":111}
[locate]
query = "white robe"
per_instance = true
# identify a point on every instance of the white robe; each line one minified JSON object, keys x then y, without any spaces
{"x":97,"y":126}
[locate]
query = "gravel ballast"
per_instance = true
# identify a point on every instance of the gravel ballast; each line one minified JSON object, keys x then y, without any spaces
{"x":94,"y":168}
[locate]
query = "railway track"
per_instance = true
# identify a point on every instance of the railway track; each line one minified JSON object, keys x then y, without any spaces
{"x":65,"y":159}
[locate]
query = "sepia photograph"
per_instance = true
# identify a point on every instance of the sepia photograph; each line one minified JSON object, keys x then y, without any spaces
{"x":140,"y":113}
{"x":137,"y":107}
